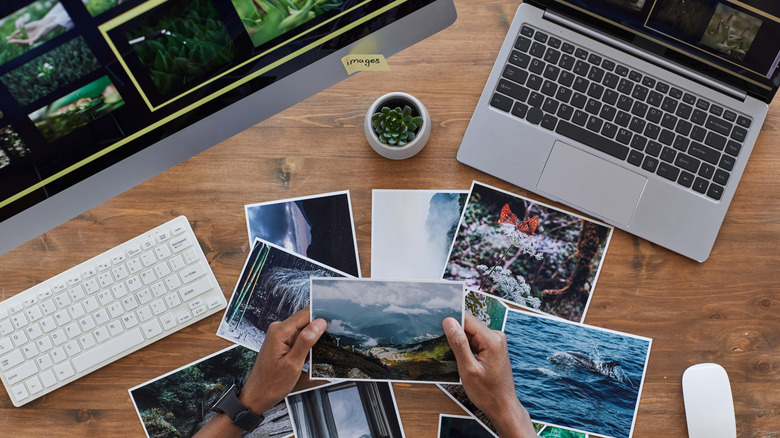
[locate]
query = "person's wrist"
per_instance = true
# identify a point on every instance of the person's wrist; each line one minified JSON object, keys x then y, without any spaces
{"x":513,"y":421}
{"x":258,"y":403}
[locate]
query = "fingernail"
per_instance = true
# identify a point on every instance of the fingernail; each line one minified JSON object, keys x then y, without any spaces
{"x":319,"y":324}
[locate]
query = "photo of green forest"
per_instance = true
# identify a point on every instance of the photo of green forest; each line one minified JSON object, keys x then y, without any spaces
{"x":265,"y":20}
{"x":178,"y":404}
{"x":532,"y":255}
{"x":77,"y":109}
{"x":30,"y":27}
{"x":51,"y":71}
{"x":97,"y":7}
{"x":182,"y":45}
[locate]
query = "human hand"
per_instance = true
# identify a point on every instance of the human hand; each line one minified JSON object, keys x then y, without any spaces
{"x":280,"y":361}
{"x":487,"y":377}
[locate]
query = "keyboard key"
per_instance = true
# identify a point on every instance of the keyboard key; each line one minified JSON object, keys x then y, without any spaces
{"x":567,"y":48}
{"x":519,"y":59}
{"x":685,"y":179}
{"x":705,"y":153}
{"x":519,"y":110}
{"x":534,"y":82}
{"x":681,"y":143}
{"x":727,"y":162}
{"x":549,"y":88}
{"x":554,"y":42}
{"x":611,"y":80}
{"x":739,"y":134}
{"x":48,"y":379}
{"x":639,"y":109}
{"x":635,"y":158}
{"x":654,"y":115}
{"x":637,"y":125}
{"x":609,"y":130}
{"x":676,"y":93}
{"x":715,"y":192}
{"x":702,"y":104}
{"x":608,"y":112}
{"x":699,"y":117}
{"x":536,"y":66}
{"x":638,"y":142}
{"x":730,"y":115}
{"x":715,"y":140}
{"x":635,"y":76}
{"x":593,"y":106}
{"x":594,"y":124}
{"x":687,"y":162}
{"x":733,"y":148}
{"x":666,"y":137}
{"x":625,"y":86}
{"x":716,"y":109}
{"x":581,"y":53}
{"x":591,"y":139}
{"x":689,"y":98}
{"x":684,"y":110}
{"x":552,"y":56}
{"x":522,"y":43}
{"x":721,"y":177}
{"x":610,"y":97}
{"x":669,"y":105}
{"x":683,"y":127}
{"x":580,"y":117}
{"x":650,"y":164}
{"x":640,"y":92}
{"x":700,"y":185}
{"x":623,"y":118}
{"x":565,"y":112}
{"x":653,"y":148}
{"x":648,"y":82}
{"x":537,"y":49}
{"x":668,"y":154}
{"x":718,"y":125}
{"x":655,"y":99}
{"x":621,"y":70}
{"x":662,"y":87}
{"x":20,"y":373}
{"x":706,"y":170}
{"x":743,"y":122}
{"x":698,"y":133}
{"x":527,"y":31}
{"x":64,"y":370}
{"x":668,"y":171}
{"x":151,"y":329}
{"x":541,"y":37}
{"x":548,"y":122}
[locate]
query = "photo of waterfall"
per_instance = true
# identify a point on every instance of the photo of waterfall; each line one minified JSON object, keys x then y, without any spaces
{"x":412,"y":231}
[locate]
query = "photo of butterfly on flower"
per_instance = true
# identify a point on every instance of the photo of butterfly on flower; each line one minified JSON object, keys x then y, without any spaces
{"x":527,"y":253}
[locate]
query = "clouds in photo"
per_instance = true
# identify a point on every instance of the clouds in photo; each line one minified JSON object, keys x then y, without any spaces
{"x":411,"y":298}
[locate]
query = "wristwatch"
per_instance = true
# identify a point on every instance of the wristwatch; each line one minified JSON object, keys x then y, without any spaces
{"x":238,"y":413}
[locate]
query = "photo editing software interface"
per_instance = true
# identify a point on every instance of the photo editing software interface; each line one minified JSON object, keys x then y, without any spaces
{"x":738,"y":41}
{"x":86,"y":84}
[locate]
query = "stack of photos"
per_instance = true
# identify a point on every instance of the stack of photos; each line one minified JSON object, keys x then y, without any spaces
{"x":178,"y":404}
{"x":273,"y":285}
{"x":461,"y":426}
{"x":346,"y":409}
{"x":527,"y":253}
{"x":412,"y":232}
{"x":319,"y":227}
{"x":385,"y":330}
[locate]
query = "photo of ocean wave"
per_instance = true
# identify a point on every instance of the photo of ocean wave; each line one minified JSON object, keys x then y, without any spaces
{"x":576,"y":376}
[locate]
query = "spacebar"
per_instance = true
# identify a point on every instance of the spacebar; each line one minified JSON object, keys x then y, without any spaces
{"x":592,"y":139}
{"x":107,"y":350}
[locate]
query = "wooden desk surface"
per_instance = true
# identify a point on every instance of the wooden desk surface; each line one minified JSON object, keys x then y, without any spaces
{"x":724,"y":311}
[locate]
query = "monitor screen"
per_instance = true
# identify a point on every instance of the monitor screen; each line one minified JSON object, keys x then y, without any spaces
{"x":89,"y":84}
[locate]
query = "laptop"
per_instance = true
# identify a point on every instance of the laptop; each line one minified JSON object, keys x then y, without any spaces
{"x":641,"y":113}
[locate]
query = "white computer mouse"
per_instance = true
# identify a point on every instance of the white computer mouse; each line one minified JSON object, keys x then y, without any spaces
{"x":709,"y":407}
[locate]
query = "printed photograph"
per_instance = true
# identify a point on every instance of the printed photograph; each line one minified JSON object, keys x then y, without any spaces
{"x":559,"y":432}
{"x":31,"y":26}
{"x":181,"y":45}
{"x":12,"y":146}
{"x":265,"y":20}
{"x":385,"y":330}
{"x":562,"y":370}
{"x":273,"y":285}
{"x":319,"y":227}
{"x":458,"y":426}
{"x":346,"y":409}
{"x":489,"y":310}
{"x":731,"y":32}
{"x":412,"y":231}
{"x":51,"y":71}
{"x":77,"y":109}
{"x":97,"y":7}
{"x":527,"y":253}
{"x":681,"y":18}
{"x":178,"y":404}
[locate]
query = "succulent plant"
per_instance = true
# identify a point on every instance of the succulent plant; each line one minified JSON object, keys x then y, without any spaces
{"x":396,"y":127}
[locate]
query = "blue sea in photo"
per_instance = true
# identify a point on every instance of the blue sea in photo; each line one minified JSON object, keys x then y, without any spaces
{"x":574,"y":375}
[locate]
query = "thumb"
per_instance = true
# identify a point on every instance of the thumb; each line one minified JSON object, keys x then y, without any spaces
{"x":306,"y":339}
{"x":459,"y":343}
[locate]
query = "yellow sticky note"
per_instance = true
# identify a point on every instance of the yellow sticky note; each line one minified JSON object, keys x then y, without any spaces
{"x":360,"y":62}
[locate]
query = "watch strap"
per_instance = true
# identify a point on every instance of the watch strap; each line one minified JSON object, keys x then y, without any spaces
{"x":238,"y":413}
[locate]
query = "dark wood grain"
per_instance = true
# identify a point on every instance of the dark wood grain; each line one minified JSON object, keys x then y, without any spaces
{"x":724,"y":311}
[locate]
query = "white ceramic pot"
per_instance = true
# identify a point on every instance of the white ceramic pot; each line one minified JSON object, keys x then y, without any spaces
{"x":410,"y":149}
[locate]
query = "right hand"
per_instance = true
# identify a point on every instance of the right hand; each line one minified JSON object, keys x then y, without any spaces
{"x":487,"y":377}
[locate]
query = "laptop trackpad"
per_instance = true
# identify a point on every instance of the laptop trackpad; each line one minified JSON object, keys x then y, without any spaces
{"x":591,"y":183}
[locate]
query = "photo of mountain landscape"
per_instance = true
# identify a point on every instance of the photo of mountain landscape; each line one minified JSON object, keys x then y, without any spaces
{"x":385,"y":330}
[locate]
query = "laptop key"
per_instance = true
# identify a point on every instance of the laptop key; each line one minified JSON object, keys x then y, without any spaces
{"x":662,"y":87}
{"x":668,"y":154}
{"x":592,"y":140}
{"x":706,"y":170}
{"x":515,"y":74}
{"x":716,"y":109}
{"x":625,"y":86}
{"x":581,"y":53}
{"x":527,"y":31}
{"x":536,"y":66}
{"x":648,"y":82}
{"x":653,"y":148}
{"x":650,"y":164}
{"x":687,"y":162}
{"x":715,"y":140}
{"x":676,"y":93}
{"x":565,"y":111}
{"x":625,"y":103}
{"x":501,"y":102}
{"x":683,"y":127}
{"x":623,"y":118}
{"x":715,"y":192}
{"x":519,"y":59}
{"x":534,"y":115}
{"x":727,"y":162}
{"x":637,"y":125}
{"x":536,"y":99}
{"x":721,"y":177}
{"x":567,"y":48}
{"x":707,"y":154}
{"x":698,"y":133}
{"x":550,"y":105}
{"x":549,"y":121}
{"x":520,"y":110}
{"x":608,"y":112}
{"x":607,"y":65}
{"x":594,"y":124}
{"x":549,"y":88}
{"x":609,"y":130}
{"x":596,"y":74}
{"x":593,"y":106}
{"x":681,"y":143}
{"x":733,"y":148}
{"x":654,"y":115}
{"x":700,"y":185}
{"x":554,"y":42}
{"x":639,"y":109}
{"x":685,"y":179}
{"x":669,"y":105}
{"x":522,"y":43}
{"x":594,"y":59}
{"x":689,"y":98}
{"x":702,"y":104}
{"x":564,"y":94}
{"x":668,"y":171}
{"x":623,"y":136}
{"x":513,"y":90}
{"x":534,"y":82}
{"x":580,"y":117}
{"x":611,"y":80}
{"x":567,"y":62}
{"x":669,"y":121}
{"x":635,"y":158}
{"x":638,"y":143}
{"x":739,"y":133}
{"x":610,"y":97}
{"x":581,"y":68}
{"x":730,"y":115}
{"x":579,"y":100}
{"x":537,"y":49}
{"x":566,"y":79}
{"x":635,"y":76}
{"x":666,"y":137}
{"x":541,"y":37}
{"x":743,"y":122}
{"x":621,"y":70}
{"x":655,"y":98}
{"x":640,"y":92}
{"x":699,"y":117}
{"x":684,"y":110}
{"x":652,"y":131}
{"x":552,"y":56}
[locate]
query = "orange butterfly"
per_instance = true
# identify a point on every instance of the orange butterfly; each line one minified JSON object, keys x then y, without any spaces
{"x":527,"y":227}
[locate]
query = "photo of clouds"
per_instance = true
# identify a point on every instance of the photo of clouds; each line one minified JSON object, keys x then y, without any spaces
{"x":319,"y":227}
{"x":178,"y":404}
{"x":576,"y":376}
{"x":412,"y":231}
{"x":273,"y":285}
{"x":346,"y":409}
{"x":385,"y":330}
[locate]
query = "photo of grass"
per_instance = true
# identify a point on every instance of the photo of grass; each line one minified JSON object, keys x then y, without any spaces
{"x":31,"y":26}
{"x":731,"y":32}
{"x":412,"y":231}
{"x":181,"y":45}
{"x":458,"y":426}
{"x":319,"y":227}
{"x":265,"y":20}
{"x":273,"y":285}
{"x":51,"y":71}
{"x":486,"y":308}
{"x":527,"y":253}
{"x":346,"y":409}
{"x":385,"y":330}
{"x":683,"y":18}
{"x":77,"y":109}
{"x":11,"y":146}
{"x":178,"y":404}
{"x":562,"y":370}
{"x":97,"y":7}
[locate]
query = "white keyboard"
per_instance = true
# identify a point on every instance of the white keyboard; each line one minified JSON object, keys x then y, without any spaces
{"x":104,"y":309}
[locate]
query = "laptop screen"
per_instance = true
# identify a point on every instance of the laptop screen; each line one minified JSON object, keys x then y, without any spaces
{"x":740,"y":39}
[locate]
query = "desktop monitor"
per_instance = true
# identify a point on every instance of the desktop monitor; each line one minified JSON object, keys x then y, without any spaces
{"x":97,"y":96}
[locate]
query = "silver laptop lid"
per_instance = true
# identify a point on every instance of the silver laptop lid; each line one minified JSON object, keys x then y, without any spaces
{"x":730,"y":42}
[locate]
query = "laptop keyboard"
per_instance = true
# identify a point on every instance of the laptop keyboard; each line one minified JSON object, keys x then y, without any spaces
{"x":653,"y":125}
